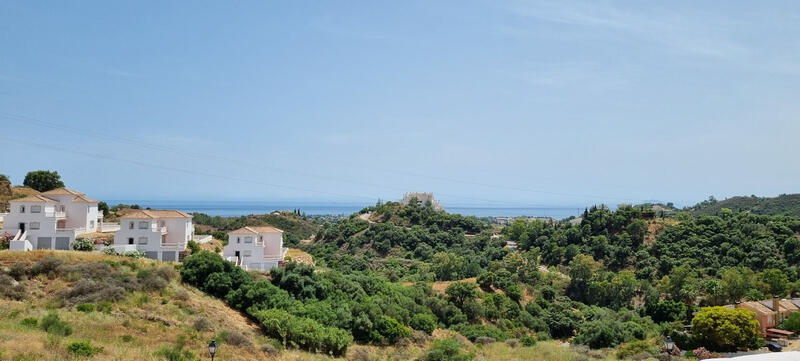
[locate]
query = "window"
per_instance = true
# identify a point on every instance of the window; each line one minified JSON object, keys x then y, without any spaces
{"x":22,"y":209}
{"x":130,"y":240}
{"x":142,"y":240}
{"x":130,"y":225}
{"x":36,"y":209}
{"x":144,"y":225}
{"x":248,"y":239}
{"x":247,"y":253}
{"x":238,"y":240}
{"x":91,"y":224}
{"x":34,"y":225}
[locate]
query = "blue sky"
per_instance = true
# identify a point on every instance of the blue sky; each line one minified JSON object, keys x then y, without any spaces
{"x":482,"y":102}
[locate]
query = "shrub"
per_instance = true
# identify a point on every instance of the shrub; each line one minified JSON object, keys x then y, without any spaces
{"x":636,"y":347}
{"x":193,"y":247}
{"x":87,"y":291}
{"x":792,"y":323}
{"x":723,"y":329}
{"x":85,"y":307}
{"x":423,"y":322}
{"x":483,"y":340}
{"x":203,"y":324}
{"x":29,"y":322}
{"x":83,"y":244}
{"x":133,"y":254}
{"x":666,"y":311}
{"x":303,"y":332}
{"x":601,"y":333}
{"x":390,"y":330}
{"x":270,"y":349}
{"x":19,"y":270}
{"x":512,"y":342}
{"x":126,"y":338}
{"x":46,"y":265}
{"x":110,"y":251}
{"x":446,"y":350}
{"x":235,"y":338}
{"x":52,"y":324}
{"x":83,"y":349}
{"x":528,"y":341}
{"x":10,"y":288}
{"x":156,"y":279}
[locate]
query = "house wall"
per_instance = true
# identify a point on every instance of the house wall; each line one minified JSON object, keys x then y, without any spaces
{"x":239,"y":242}
{"x":273,"y":244}
{"x":46,"y":219}
{"x":179,"y":230}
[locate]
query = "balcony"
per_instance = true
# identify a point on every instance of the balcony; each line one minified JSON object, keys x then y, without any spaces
{"x":61,"y":215}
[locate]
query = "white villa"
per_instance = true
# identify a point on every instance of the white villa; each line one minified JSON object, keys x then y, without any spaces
{"x":51,"y":220}
{"x":255,"y":248}
{"x":159,"y":234}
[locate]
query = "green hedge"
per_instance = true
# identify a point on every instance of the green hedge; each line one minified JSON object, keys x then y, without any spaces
{"x":301,"y":332}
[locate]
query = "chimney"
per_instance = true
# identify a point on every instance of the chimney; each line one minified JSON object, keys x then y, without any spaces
{"x":776,"y":306}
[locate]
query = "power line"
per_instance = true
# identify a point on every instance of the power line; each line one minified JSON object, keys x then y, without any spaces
{"x":206,"y":156}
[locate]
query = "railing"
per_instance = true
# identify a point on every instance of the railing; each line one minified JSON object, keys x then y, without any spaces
{"x":61,"y":214}
{"x":172,"y":245}
{"x":72,"y":231}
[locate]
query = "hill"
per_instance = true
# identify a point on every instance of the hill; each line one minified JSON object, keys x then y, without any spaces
{"x":7,"y":193}
{"x":76,"y":305}
{"x":783,"y":205}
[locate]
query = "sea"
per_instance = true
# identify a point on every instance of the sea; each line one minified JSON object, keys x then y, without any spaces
{"x":233,"y":208}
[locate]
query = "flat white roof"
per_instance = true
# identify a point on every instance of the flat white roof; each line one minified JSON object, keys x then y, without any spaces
{"x":769,"y":356}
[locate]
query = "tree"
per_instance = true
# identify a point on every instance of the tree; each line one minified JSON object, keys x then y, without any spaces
{"x":666,"y":311}
{"x":776,"y":281}
{"x":724,"y":329}
{"x":460,"y":293}
{"x":423,"y":322}
{"x":103,"y":207}
{"x":736,"y":283}
{"x":43,"y":180}
{"x":581,"y":270}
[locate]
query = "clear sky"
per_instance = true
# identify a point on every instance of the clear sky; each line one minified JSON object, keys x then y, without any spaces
{"x":481,"y":102}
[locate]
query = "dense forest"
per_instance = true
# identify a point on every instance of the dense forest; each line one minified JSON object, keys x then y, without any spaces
{"x":784,"y":204}
{"x":622,"y":277}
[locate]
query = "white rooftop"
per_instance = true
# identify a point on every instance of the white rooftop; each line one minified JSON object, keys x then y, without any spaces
{"x":770,"y":356}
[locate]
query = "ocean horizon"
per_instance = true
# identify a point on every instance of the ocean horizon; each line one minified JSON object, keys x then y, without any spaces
{"x":243,"y":208}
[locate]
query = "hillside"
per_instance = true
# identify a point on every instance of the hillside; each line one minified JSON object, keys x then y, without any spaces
{"x":783,"y":205}
{"x":7,"y":193}
{"x":295,"y":227}
{"x":119,"y":308}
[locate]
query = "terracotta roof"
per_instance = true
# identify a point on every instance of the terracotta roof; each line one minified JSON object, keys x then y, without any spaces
{"x":156,"y":213}
{"x":83,"y":199}
{"x":34,"y":198}
{"x":256,"y":230}
{"x":756,"y":307}
{"x":63,"y":192}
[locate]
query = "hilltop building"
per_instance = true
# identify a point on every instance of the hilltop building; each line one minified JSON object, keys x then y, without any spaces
{"x":255,"y":248}
{"x":423,"y":198}
{"x":51,"y":220}
{"x":159,"y":234}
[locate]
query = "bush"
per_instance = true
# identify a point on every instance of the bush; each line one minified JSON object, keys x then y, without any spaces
{"x":85,"y":307}
{"x":270,"y":349}
{"x":87,"y":291}
{"x":133,"y":254}
{"x":723,"y":329}
{"x":203,"y":324}
{"x":235,"y":338}
{"x":46,"y":265}
{"x":423,"y":322}
{"x":303,"y":332}
{"x":11,"y":289}
{"x":512,"y":342}
{"x":528,"y":341}
{"x":792,"y":323}
{"x":390,"y":330}
{"x":126,"y":338}
{"x":157,"y":278}
{"x":83,"y":349}
{"x":29,"y":322}
{"x":636,"y":347}
{"x":446,"y":350}
{"x":19,"y":270}
{"x":193,"y":247}
{"x":483,"y":340}
{"x":52,"y":324}
{"x":83,"y":244}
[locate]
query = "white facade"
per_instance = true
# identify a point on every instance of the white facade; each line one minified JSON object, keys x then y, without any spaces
{"x":51,"y":220}
{"x":159,"y":234}
{"x":255,"y":248}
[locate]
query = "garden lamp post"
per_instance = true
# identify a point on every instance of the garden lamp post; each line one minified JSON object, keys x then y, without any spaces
{"x":669,"y":345}
{"x":212,"y":348}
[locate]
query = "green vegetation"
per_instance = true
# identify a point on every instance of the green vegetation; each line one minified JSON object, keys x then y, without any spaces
{"x":43,"y":180}
{"x":723,"y":329}
{"x":83,"y":349}
{"x":782,"y":205}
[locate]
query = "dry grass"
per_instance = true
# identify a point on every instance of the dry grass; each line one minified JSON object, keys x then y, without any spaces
{"x":300,"y":257}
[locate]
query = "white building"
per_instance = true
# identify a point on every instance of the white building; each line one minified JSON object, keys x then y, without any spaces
{"x":159,"y":234}
{"x":51,"y":220}
{"x":255,"y":248}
